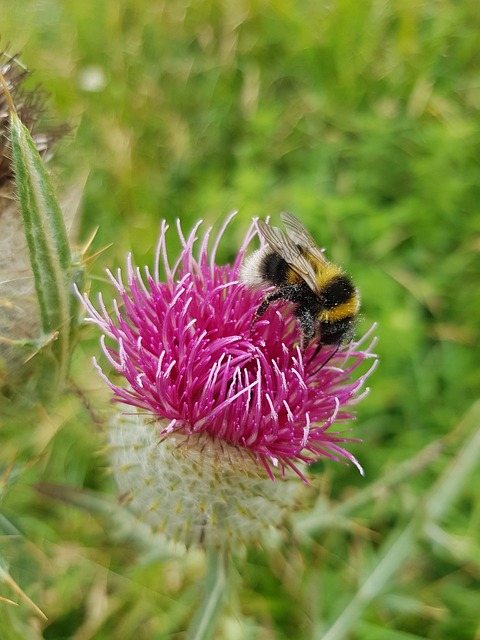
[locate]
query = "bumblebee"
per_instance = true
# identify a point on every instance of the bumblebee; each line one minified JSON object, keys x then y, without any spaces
{"x":325,"y":298}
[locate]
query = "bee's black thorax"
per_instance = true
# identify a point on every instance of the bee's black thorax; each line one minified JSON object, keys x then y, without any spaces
{"x":275,"y":269}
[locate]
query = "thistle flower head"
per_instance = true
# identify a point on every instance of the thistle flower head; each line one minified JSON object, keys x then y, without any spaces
{"x":220,"y":407}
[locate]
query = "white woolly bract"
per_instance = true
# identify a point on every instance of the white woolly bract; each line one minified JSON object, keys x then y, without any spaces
{"x":194,"y":488}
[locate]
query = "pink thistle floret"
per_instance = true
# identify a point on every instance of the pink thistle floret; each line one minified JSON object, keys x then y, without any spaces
{"x":190,"y":357}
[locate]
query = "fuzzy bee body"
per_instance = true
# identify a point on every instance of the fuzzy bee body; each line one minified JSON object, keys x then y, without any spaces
{"x":325,"y":298}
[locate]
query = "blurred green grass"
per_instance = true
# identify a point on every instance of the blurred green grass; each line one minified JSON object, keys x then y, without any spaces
{"x":363,"y":119}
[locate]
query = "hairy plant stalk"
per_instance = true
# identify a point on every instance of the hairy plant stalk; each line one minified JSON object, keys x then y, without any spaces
{"x":215,"y":587}
{"x":54,"y":270}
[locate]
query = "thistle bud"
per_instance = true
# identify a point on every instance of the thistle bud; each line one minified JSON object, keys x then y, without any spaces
{"x":37,"y":316}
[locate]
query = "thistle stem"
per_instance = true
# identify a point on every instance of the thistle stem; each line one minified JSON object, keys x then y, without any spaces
{"x":215,"y":581}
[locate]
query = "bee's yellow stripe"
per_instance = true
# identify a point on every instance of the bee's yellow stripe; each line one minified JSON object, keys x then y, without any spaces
{"x":325,"y":273}
{"x":341,"y":311}
{"x":293,"y":277}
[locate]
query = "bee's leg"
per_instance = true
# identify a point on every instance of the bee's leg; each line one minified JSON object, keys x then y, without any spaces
{"x":325,"y":361}
{"x":316,"y":352}
{"x":260,"y":311}
{"x":306,"y":323}
{"x":262,"y":308}
{"x":288,"y":293}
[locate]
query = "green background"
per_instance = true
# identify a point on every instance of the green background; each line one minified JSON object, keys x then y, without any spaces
{"x":363,"y":119}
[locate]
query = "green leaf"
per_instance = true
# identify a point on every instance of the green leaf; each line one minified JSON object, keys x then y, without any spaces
{"x":50,"y":257}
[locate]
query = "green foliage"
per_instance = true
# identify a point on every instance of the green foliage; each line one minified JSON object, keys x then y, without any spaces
{"x":363,"y":119}
{"x":52,"y":265}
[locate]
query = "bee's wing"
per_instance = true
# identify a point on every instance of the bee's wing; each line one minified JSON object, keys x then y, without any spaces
{"x":290,"y":252}
{"x":301,"y":236}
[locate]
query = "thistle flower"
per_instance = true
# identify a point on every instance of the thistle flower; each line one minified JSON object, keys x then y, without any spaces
{"x":221,"y":408}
